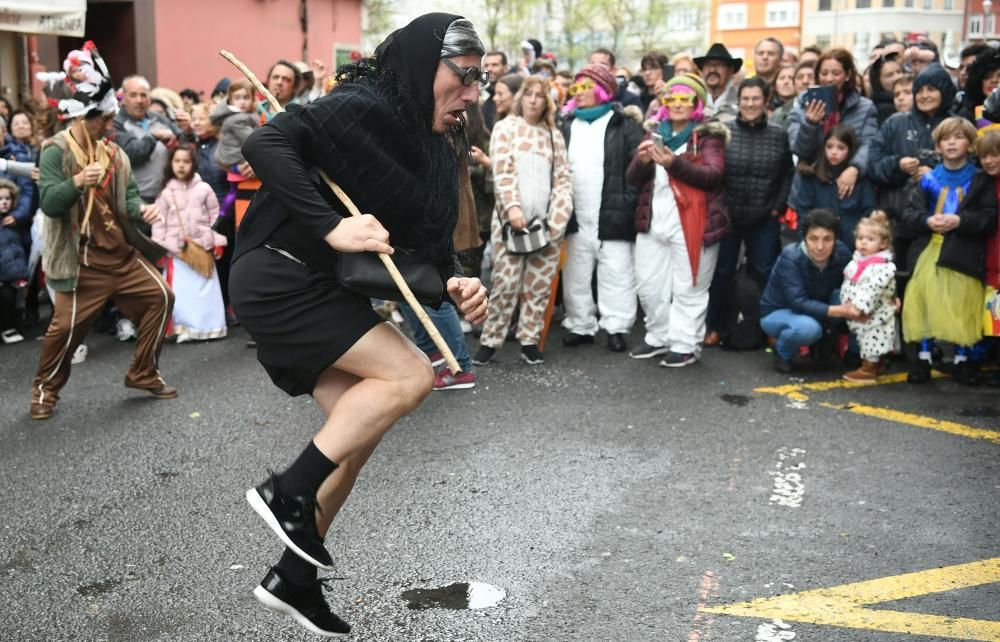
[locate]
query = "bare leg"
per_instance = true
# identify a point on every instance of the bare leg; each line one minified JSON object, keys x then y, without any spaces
{"x":333,"y":493}
{"x":394,"y":378}
{"x":380,"y":379}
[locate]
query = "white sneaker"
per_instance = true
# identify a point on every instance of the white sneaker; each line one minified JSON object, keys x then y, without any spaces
{"x":126,"y":330}
{"x":11,"y":336}
{"x":183,"y":337}
{"x":80,"y":355}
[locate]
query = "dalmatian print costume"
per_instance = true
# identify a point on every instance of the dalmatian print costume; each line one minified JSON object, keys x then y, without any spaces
{"x":530,"y":170}
{"x":870,"y":284}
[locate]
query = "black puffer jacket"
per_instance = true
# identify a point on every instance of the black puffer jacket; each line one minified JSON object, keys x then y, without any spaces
{"x":618,"y":198}
{"x":758,"y":173}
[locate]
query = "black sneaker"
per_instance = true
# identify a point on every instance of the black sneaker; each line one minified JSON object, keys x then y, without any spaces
{"x":782,"y":365}
{"x":677,"y":360}
{"x":646,"y":351}
{"x":293,"y":519}
{"x":573,"y":340}
{"x":532,"y":355}
{"x":483,"y":355}
{"x":616,"y":343}
{"x":305,"y":605}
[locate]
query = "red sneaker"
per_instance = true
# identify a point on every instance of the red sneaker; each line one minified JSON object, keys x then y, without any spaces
{"x":437,"y":359}
{"x":445,"y":380}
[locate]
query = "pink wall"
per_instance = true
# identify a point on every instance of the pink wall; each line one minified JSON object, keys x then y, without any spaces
{"x":189,"y":34}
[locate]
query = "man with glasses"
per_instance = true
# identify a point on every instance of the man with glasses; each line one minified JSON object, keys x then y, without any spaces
{"x":389,"y":134}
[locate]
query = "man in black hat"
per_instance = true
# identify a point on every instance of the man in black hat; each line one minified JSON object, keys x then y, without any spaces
{"x":718,"y":68}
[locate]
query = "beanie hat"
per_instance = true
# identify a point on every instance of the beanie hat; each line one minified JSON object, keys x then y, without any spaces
{"x":692,"y":81}
{"x":602,"y":76}
{"x":934,"y":75}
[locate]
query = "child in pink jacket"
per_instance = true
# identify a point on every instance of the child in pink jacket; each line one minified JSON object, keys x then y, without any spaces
{"x":188,"y":209}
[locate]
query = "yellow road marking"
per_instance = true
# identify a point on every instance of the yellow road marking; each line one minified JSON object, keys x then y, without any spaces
{"x":794,"y":390}
{"x":845,"y":605}
{"x":919,"y":420}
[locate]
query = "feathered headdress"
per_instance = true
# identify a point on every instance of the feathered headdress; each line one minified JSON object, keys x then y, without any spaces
{"x":93,"y":93}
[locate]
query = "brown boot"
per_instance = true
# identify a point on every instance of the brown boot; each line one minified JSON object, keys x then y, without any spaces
{"x":712,"y":339}
{"x":40,"y":411}
{"x":867,"y":373}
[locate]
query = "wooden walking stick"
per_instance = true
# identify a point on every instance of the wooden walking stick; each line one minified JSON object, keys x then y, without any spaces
{"x":551,"y":306}
{"x":397,"y":278}
{"x":91,"y":190}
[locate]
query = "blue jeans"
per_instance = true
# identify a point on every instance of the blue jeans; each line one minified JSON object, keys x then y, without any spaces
{"x":763,"y":245}
{"x":446,"y":320}
{"x":794,"y":330}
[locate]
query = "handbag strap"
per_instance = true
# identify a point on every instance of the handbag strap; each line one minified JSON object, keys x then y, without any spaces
{"x":552,"y":177}
{"x":177,"y":213}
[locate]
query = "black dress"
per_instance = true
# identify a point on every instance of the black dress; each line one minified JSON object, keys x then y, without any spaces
{"x":373,"y":137}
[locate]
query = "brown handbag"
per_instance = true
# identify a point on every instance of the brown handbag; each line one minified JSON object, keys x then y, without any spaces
{"x":200,"y":259}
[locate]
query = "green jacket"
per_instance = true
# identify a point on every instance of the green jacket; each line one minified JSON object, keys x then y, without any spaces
{"x":63,"y":204}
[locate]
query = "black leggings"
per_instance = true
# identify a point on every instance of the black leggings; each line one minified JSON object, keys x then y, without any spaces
{"x":10,"y":317}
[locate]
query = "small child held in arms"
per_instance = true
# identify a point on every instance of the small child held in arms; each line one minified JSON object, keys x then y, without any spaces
{"x":816,"y":186}
{"x":870,"y":284}
{"x":13,"y":265}
{"x":902,"y":92}
{"x":188,"y":209}
{"x":951,"y":213}
{"x":236,"y":118}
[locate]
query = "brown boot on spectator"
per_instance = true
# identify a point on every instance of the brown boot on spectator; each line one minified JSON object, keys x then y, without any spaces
{"x":712,"y":339}
{"x":867,"y":373}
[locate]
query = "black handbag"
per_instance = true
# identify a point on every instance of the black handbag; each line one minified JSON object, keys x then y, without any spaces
{"x":363,"y":273}
{"x":535,"y":236}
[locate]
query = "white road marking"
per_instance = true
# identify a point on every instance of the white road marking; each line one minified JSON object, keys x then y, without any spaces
{"x":789,"y":489}
{"x":774,"y":631}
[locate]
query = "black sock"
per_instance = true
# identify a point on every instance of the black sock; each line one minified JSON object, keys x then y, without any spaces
{"x":295,"y":569}
{"x":307,"y":473}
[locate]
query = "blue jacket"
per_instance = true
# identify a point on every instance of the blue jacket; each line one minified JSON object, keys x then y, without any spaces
{"x":796,"y":284}
{"x":806,"y":139}
{"x":27,"y":203}
{"x":809,"y":193}
{"x":13,"y":258}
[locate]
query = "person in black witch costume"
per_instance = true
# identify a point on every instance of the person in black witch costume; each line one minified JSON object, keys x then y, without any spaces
{"x":387,"y":134}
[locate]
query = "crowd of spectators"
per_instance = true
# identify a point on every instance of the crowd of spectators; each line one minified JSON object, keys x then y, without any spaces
{"x":810,"y":201}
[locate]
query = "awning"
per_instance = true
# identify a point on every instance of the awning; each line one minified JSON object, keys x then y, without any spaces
{"x":50,"y":17}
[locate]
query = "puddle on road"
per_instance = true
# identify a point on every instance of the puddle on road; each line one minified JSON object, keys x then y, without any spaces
{"x":97,"y":588}
{"x":980,"y":411}
{"x":736,"y":400}
{"x":461,"y":595}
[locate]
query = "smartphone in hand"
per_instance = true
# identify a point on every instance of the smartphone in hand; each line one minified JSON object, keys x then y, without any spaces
{"x":658,"y":141}
{"x":825,"y":93}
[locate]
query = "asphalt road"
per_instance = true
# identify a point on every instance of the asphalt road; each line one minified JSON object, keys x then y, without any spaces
{"x":610,"y":499}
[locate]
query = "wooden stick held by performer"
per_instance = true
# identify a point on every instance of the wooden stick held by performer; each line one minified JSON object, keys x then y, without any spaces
{"x":397,"y":278}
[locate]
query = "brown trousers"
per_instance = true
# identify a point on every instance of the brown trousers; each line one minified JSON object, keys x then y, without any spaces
{"x":139,"y":292}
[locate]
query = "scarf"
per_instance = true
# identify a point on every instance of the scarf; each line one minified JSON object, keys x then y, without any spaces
{"x":590,"y":114}
{"x":372,"y":135}
{"x":948,"y":186}
{"x":833,"y":118}
{"x":862,"y":263}
{"x":678,"y":140}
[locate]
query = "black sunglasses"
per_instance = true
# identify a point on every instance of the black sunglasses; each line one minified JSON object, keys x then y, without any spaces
{"x":469,"y":75}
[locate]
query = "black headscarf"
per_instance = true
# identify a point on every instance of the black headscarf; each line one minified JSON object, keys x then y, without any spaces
{"x":413,"y":53}
{"x":374,"y":136}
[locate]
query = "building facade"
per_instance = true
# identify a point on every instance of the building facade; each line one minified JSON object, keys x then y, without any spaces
{"x":175,"y":44}
{"x":858,"y":25}
{"x":980,"y":21}
{"x":742,"y":24}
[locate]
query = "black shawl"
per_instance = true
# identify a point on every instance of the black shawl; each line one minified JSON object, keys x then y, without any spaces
{"x":372,"y":135}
